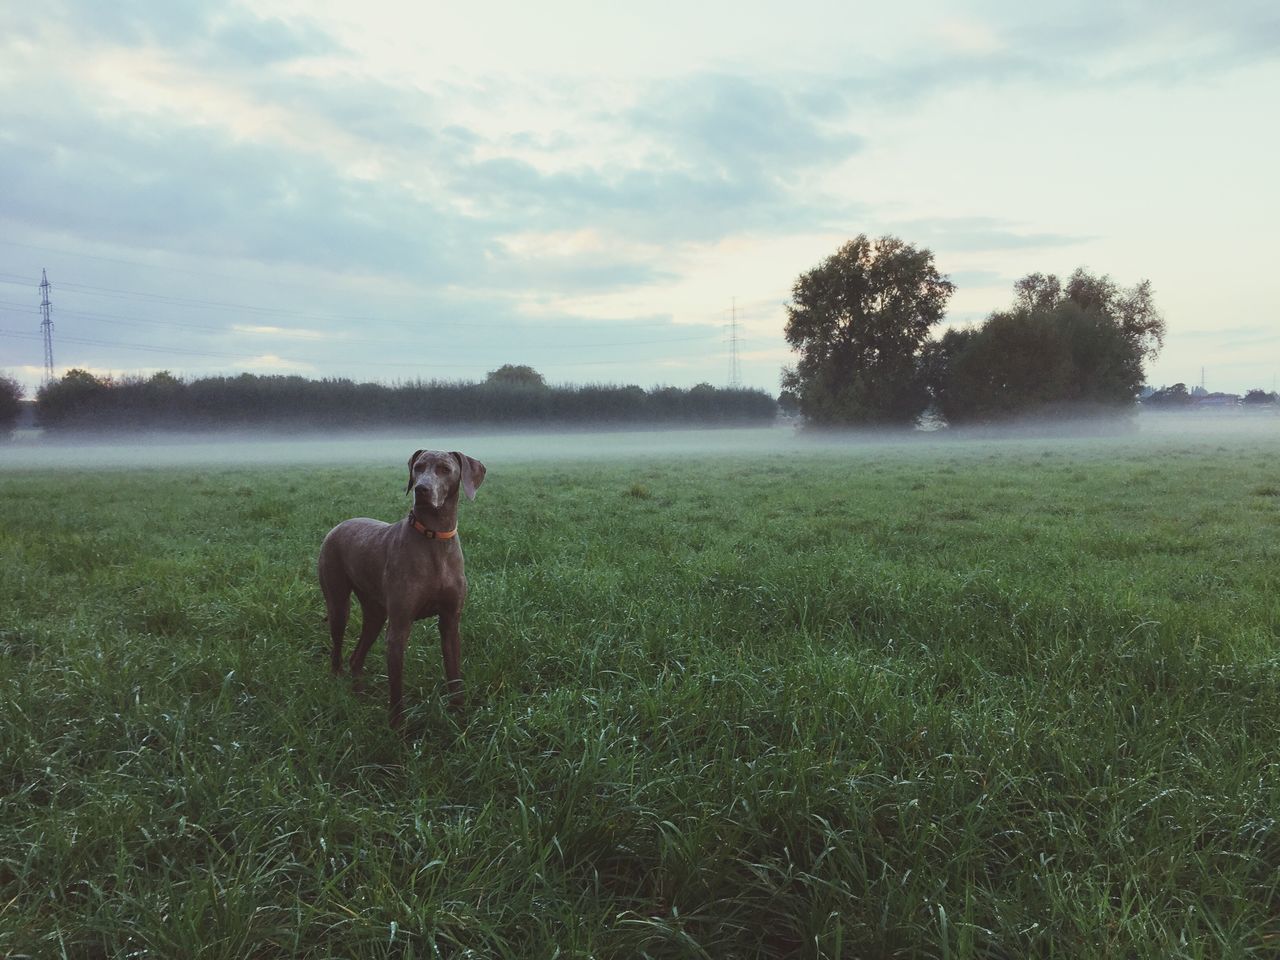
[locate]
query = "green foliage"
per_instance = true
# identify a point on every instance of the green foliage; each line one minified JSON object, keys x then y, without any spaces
{"x":74,"y":398}
{"x":1175,"y":397}
{"x":1260,"y":397}
{"x":1132,"y":311}
{"x":962,"y":701}
{"x":513,"y":375}
{"x":10,"y":404}
{"x":81,"y":402}
{"x":1035,"y":361}
{"x":860,"y":320}
{"x":1061,"y":349}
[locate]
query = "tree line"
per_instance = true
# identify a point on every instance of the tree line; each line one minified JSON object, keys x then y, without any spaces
{"x":862,"y":320}
{"x":511,"y":395}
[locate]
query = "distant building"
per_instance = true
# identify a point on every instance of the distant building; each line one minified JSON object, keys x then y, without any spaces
{"x":1215,"y":400}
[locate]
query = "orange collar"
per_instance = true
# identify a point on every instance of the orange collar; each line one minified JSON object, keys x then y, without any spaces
{"x":431,"y":534}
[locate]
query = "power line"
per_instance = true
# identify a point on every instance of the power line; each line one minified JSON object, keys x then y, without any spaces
{"x":152,"y":348}
{"x":351,"y":338}
{"x":160,"y":301}
{"x":142,"y":296}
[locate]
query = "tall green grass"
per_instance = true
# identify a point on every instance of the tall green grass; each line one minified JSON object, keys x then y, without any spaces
{"x":970,"y":701}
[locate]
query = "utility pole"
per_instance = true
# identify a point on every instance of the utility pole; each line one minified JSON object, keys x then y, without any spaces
{"x":735,"y":371}
{"x":46,"y":325}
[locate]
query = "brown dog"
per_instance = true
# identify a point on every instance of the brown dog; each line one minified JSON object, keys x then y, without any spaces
{"x":403,"y":572}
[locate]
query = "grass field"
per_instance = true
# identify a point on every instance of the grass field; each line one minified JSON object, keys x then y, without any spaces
{"x":934,"y":700}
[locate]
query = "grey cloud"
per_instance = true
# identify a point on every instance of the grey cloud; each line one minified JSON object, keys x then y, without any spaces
{"x":261,"y":42}
{"x":744,"y":127}
{"x":1194,"y":39}
{"x":217,"y":35}
{"x":728,"y":149}
{"x":1082,"y":45}
{"x":132,"y":22}
{"x":189,"y":190}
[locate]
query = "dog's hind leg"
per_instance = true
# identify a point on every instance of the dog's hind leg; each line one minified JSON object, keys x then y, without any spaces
{"x":373,"y":617}
{"x":336,"y":588}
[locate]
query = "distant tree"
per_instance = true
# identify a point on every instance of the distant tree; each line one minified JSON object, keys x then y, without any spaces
{"x":1061,"y":348}
{"x":515,"y":375}
{"x":788,"y":403}
{"x":859,"y":321}
{"x":1174,"y":396}
{"x":73,"y":400}
{"x":10,"y":404}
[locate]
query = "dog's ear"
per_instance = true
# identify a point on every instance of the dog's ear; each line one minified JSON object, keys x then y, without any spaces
{"x":409,"y":486}
{"x":472,"y":473}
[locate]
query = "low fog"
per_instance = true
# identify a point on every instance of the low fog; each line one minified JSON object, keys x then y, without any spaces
{"x":30,"y":450}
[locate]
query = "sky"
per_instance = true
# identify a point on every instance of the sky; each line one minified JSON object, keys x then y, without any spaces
{"x":399,"y":191}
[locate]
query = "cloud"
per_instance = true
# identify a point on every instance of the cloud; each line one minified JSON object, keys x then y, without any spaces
{"x":133,"y":22}
{"x":269,"y":361}
{"x":249,"y":40}
{"x":745,"y":128}
{"x":982,"y":233}
{"x":194,"y":190}
{"x":288,"y":333}
{"x":216,"y":33}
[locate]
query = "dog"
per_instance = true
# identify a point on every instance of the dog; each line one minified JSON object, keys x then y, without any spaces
{"x":403,"y":572}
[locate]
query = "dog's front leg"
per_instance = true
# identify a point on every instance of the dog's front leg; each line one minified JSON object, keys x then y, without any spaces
{"x":397,"y":638}
{"x":450,"y":649}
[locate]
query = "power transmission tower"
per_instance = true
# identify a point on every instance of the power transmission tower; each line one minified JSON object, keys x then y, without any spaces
{"x":735,"y":370}
{"x":46,"y":325}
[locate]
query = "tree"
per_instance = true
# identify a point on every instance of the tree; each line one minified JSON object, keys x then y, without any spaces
{"x":513,"y":375}
{"x":1060,"y":348}
{"x":72,"y":401}
{"x":1174,"y":396}
{"x":1258,"y":397}
{"x":10,"y":404}
{"x":1131,"y":310}
{"x":1034,"y":360}
{"x":860,"y":320}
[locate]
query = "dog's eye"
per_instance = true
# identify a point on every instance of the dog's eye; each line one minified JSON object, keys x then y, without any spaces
{"x":441,"y":470}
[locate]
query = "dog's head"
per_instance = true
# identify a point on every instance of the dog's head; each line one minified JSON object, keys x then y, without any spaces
{"x":435,"y":477}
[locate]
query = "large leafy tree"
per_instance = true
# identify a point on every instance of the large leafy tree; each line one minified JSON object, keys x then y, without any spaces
{"x":859,"y":321}
{"x":1061,"y":348}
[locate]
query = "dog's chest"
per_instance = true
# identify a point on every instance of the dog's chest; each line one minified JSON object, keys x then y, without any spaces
{"x":431,"y":585}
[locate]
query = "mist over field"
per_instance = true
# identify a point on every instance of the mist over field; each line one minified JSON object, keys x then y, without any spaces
{"x":130,"y":449}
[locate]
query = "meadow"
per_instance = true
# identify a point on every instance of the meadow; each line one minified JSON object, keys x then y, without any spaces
{"x":932,"y":699}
